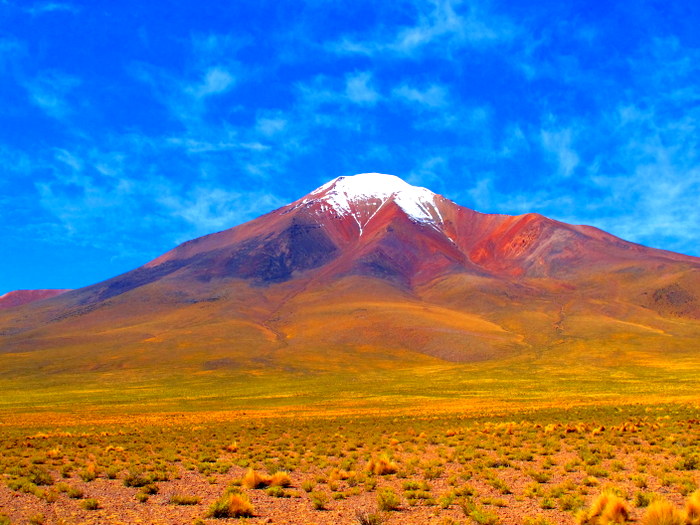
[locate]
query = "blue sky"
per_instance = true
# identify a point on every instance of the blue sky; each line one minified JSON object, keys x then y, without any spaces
{"x":128,"y":127}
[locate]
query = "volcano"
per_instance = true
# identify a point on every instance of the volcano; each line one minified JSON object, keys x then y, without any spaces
{"x":370,"y":269}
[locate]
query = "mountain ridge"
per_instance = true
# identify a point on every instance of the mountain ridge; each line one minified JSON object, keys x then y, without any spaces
{"x":16,"y":298}
{"x":336,"y":275}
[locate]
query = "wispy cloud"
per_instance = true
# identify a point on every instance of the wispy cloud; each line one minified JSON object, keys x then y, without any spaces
{"x":558,"y":146}
{"x":270,"y":123}
{"x":51,"y":91}
{"x":359,"y":89}
{"x":52,"y":7}
{"x":207,"y":209}
{"x":433,"y":96}
{"x":428,"y":172}
{"x":100,"y":199}
{"x":215,"y":80}
{"x":452,"y":24}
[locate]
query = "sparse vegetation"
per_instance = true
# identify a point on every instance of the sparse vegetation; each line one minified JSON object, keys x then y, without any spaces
{"x":491,"y":466}
{"x":607,"y":507}
{"x":319,"y":500}
{"x":182,"y":499}
{"x":90,"y":504}
{"x":388,"y":500}
{"x":231,"y":506}
{"x":661,"y":512}
{"x":382,"y":466}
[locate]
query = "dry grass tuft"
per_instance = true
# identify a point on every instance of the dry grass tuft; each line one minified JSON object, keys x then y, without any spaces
{"x":607,"y":507}
{"x":231,"y":506}
{"x":661,"y":512}
{"x":616,"y":511}
{"x":280,"y":479}
{"x":692,"y":509}
{"x":382,"y":466}
{"x":255,"y":480}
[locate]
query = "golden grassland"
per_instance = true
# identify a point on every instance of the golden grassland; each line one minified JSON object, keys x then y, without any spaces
{"x":520,"y":442}
{"x":578,"y":465}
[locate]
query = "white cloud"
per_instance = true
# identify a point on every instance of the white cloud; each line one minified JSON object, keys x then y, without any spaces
{"x":515,"y":141}
{"x":216,"y":80}
{"x":52,"y":7}
{"x":459,"y":119}
{"x":359,"y":89}
{"x":51,"y":92}
{"x":270,"y":124}
{"x":429,"y":173}
{"x":452,"y":24}
{"x":111,"y":200}
{"x":558,"y":144}
{"x":208,"y":209}
{"x":434,"y":96}
{"x":70,"y":160}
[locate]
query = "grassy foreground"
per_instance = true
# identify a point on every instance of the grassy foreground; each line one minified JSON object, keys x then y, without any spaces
{"x":435,"y":387}
{"x":447,"y":444}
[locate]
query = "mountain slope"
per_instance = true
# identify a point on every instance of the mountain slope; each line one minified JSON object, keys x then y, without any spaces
{"x":21,"y":297}
{"x":370,"y":272}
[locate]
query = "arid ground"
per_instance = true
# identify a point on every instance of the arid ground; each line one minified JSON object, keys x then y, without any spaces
{"x":479,"y":446}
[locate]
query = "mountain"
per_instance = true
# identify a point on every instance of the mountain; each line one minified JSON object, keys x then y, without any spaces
{"x":21,"y":297}
{"x":369,"y":271}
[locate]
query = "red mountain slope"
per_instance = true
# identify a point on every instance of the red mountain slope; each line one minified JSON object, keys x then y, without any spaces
{"x":21,"y":297}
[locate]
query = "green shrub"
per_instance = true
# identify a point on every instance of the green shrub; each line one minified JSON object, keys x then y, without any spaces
{"x":75,"y":493}
{"x":642,"y":499}
{"x":90,"y":504}
{"x":308,"y":485}
{"x":319,"y":500}
{"x":40,"y":477}
{"x":387,"y":500}
{"x":539,"y":476}
{"x":134,"y":479}
{"x":276,"y":492}
{"x":181,"y":499}
{"x":536,"y":520}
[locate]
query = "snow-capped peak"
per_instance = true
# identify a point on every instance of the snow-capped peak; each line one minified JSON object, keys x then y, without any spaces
{"x":375,"y":189}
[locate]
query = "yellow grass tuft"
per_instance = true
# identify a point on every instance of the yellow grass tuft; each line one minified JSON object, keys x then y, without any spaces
{"x":606,"y":508}
{"x":231,"y":506}
{"x":616,"y":511}
{"x":692,"y":509}
{"x":255,"y":480}
{"x":661,"y":512}
{"x":382,"y":466}
{"x":280,"y":479}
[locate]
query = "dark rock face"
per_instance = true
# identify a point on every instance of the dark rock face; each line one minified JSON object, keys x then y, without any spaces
{"x":300,"y":247}
{"x":133,"y":279}
{"x":383,"y":265}
{"x":262,"y":260}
